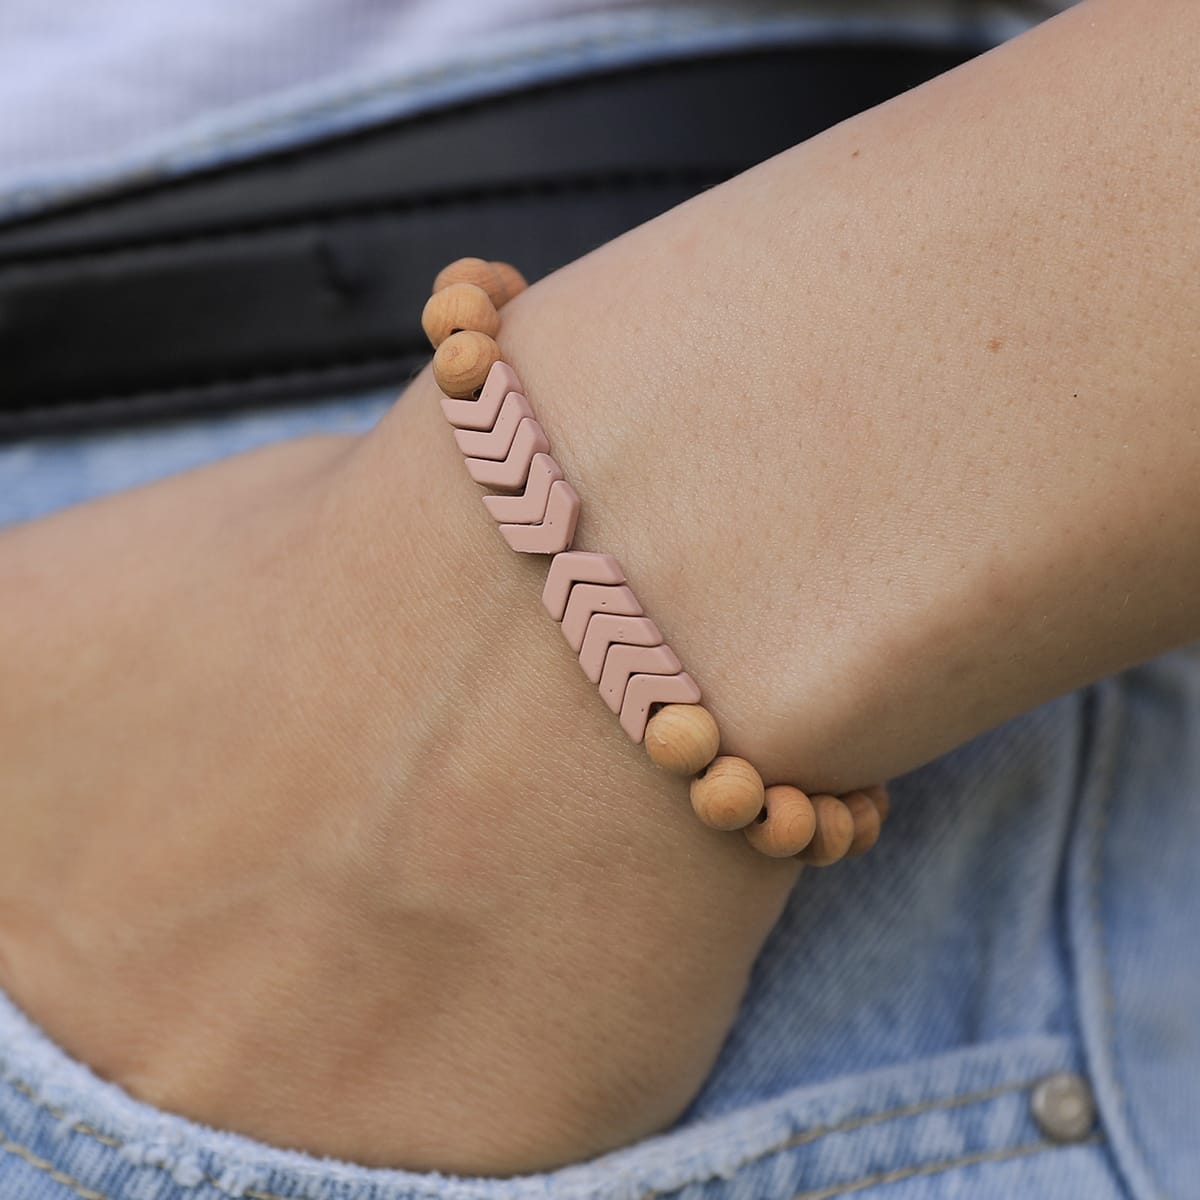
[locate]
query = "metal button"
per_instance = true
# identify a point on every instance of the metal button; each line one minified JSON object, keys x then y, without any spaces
{"x":1063,"y":1107}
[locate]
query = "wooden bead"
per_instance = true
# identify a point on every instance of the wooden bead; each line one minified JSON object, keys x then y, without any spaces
{"x":462,"y":363}
{"x":834,"y":832}
{"x":789,"y":822}
{"x":729,"y":795}
{"x":880,"y":798}
{"x":867,"y":822}
{"x":478,"y":271}
{"x":513,"y":281}
{"x":682,"y":738}
{"x":459,"y":306}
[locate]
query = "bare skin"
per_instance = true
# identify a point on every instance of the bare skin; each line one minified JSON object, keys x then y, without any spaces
{"x":311,"y":827}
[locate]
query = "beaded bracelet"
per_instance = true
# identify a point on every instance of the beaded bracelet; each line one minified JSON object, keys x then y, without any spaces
{"x":619,"y":647}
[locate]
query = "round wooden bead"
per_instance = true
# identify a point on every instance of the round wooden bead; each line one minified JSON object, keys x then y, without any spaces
{"x":834,"y":832}
{"x":459,"y":306}
{"x":729,"y":794}
{"x":789,"y":822}
{"x":682,"y":738}
{"x":867,"y":822}
{"x":879,"y":796}
{"x":462,"y":363}
{"x":478,"y":271}
{"x":513,"y":281}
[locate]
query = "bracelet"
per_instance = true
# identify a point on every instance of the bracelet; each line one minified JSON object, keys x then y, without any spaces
{"x":619,"y":647}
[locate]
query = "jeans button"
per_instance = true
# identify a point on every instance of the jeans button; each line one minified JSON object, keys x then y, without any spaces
{"x":1063,"y":1107}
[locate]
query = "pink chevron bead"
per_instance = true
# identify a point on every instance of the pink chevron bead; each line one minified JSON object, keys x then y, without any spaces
{"x":530,"y":506}
{"x":624,"y":661}
{"x":608,"y":629}
{"x":577,"y":566}
{"x":554,"y":533}
{"x":495,"y":442}
{"x":511,"y":472}
{"x":642,"y":691}
{"x":481,"y":413}
{"x":589,"y":598}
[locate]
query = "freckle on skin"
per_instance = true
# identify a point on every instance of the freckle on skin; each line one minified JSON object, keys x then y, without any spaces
{"x":995,"y":344}
{"x":856,"y":154}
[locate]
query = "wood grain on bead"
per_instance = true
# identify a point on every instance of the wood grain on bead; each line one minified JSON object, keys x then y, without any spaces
{"x":867,"y":822}
{"x":682,"y":738}
{"x":478,"y":271}
{"x":462,"y":362}
{"x":459,"y":306}
{"x":833,"y":835}
{"x":788,"y":822}
{"x":513,"y":282}
{"x":729,"y":794}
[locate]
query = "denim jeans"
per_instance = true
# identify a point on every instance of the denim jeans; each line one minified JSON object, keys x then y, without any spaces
{"x":1031,"y":914}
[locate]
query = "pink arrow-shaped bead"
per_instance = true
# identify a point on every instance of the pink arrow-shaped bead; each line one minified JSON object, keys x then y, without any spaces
{"x":530,"y":506}
{"x":607,"y":629}
{"x":577,"y":566}
{"x":554,"y":533}
{"x":624,"y":661}
{"x":495,"y":442}
{"x":642,"y":691}
{"x":510,"y":473}
{"x":481,"y":413}
{"x":590,"y":598}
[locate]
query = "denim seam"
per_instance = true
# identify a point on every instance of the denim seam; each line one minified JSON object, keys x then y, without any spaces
{"x":41,"y":1164}
{"x":851,"y":1124}
{"x":966,"y":1160}
{"x":877,"y":1180}
{"x":1107,"y":1032}
{"x":806,"y":1137}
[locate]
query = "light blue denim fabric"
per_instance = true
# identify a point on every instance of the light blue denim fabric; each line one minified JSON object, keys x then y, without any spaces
{"x":1032,"y":909}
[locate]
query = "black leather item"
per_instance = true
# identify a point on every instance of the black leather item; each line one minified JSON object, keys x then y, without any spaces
{"x":303,"y":274}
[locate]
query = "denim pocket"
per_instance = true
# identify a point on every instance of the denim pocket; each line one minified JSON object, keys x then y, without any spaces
{"x":955,"y":1124}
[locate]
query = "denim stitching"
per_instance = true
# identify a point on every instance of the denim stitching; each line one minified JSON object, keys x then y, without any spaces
{"x":806,"y":1137}
{"x":842,"y":1189}
{"x":58,"y":1114}
{"x":851,"y":1124}
{"x":91,"y":1131}
{"x":1109,"y":1007}
{"x":40,"y":1164}
{"x":967,"y":1160}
